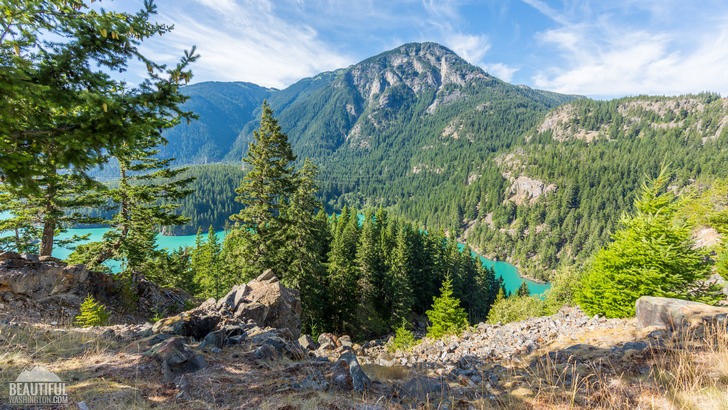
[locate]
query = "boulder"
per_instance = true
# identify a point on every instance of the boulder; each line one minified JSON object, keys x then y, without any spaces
{"x":327,"y":341}
{"x":263,"y":302}
{"x":196,"y":323}
{"x":56,"y":286}
{"x":675,"y":314}
{"x":176,"y":358}
{"x":269,"y":303}
{"x":232,"y":299}
{"x":307,"y":342}
{"x":423,"y":388}
{"x":348,"y":375}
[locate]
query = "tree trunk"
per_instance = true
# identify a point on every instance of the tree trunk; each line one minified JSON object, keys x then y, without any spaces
{"x":46,"y":246}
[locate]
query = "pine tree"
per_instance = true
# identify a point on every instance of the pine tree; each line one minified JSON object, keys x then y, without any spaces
{"x":306,"y":245}
{"x":92,"y":313}
{"x":343,"y":272}
{"x":523,"y":290}
{"x":650,"y":255}
{"x":62,"y":113}
{"x":210,"y":274}
{"x":265,"y":191}
{"x":399,"y":288}
{"x":370,"y":260}
{"x":446,"y":316}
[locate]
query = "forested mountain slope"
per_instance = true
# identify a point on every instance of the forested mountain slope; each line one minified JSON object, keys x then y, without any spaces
{"x":223,"y":110}
{"x":586,"y":160}
{"x":439,"y":141}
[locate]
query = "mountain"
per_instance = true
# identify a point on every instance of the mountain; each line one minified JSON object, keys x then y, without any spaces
{"x":223,"y":110}
{"x":537,"y":178}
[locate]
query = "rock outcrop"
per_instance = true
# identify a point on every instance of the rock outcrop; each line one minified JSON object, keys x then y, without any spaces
{"x":44,"y":288}
{"x":676,"y":314}
{"x":263,"y":302}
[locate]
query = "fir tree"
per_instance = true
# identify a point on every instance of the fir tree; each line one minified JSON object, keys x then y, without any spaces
{"x":306,"y":245}
{"x":265,"y":191}
{"x":523,"y":290}
{"x":62,"y":113}
{"x":92,"y":313}
{"x":446,"y":316}
{"x":650,"y":255}
{"x":206,"y":262}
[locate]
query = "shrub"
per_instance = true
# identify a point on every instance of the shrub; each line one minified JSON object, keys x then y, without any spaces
{"x":650,"y":255}
{"x":403,"y":338}
{"x":447,"y":316}
{"x":564,"y":284}
{"x":92,"y":313}
{"x":516,"y":308}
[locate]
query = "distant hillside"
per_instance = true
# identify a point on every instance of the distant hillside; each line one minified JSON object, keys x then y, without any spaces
{"x":223,"y":110}
{"x":530,"y":176}
{"x":578,"y":169}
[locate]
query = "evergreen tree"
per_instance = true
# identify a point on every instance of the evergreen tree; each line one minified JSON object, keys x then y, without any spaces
{"x":343,"y":272}
{"x":92,"y":313}
{"x":62,"y":113}
{"x":265,"y":191}
{"x":205,"y":261}
{"x":523,"y":290}
{"x":370,"y":260}
{"x":399,"y":288}
{"x":306,"y":245}
{"x":446,"y":316}
{"x":20,"y":224}
{"x":649,"y":255}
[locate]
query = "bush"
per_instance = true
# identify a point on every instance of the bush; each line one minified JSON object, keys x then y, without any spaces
{"x":403,"y":338}
{"x":516,"y":308}
{"x":92,"y":313}
{"x":650,"y":255}
{"x":447,"y":316}
{"x":564,"y":284}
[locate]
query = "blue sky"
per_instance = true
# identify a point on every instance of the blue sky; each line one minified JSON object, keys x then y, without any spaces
{"x":604,"y":48}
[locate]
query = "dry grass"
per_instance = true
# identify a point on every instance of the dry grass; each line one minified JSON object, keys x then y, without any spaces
{"x":689,"y":371}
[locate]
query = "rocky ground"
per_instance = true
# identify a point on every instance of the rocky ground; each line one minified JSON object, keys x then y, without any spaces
{"x":244,"y":351}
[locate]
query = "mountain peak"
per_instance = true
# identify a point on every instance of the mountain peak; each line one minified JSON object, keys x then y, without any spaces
{"x":411,"y":68}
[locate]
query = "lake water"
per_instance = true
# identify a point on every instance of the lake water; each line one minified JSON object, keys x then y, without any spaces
{"x":504,"y":269}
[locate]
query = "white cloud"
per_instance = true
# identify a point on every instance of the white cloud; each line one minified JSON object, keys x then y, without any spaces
{"x":468,"y":46}
{"x":606,"y":56}
{"x":500,"y":70}
{"x":249,"y":42}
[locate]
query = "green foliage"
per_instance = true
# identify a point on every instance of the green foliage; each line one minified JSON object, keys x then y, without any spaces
{"x":516,"y":308}
{"x":403,"y":339}
{"x":265,"y":190}
{"x":523,"y":290}
{"x":564,"y":284}
{"x":211,"y":276}
{"x":649,"y":255}
{"x":92,"y":313}
{"x":63,"y":112}
{"x":446,"y":316}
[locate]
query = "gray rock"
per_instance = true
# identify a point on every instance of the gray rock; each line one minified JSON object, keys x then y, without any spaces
{"x":307,"y":342}
{"x":314,"y":381}
{"x":176,"y":358}
{"x":266,"y":352}
{"x":213,"y":339}
{"x":422,"y":388}
{"x":348,"y":375}
{"x":232,"y":299}
{"x":196,"y":323}
{"x":675,"y":314}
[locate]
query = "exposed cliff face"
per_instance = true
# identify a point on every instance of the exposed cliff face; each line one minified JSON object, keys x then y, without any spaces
{"x":417,"y":68}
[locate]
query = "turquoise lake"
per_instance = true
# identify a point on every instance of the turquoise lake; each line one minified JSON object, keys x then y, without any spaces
{"x":503,"y":269}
